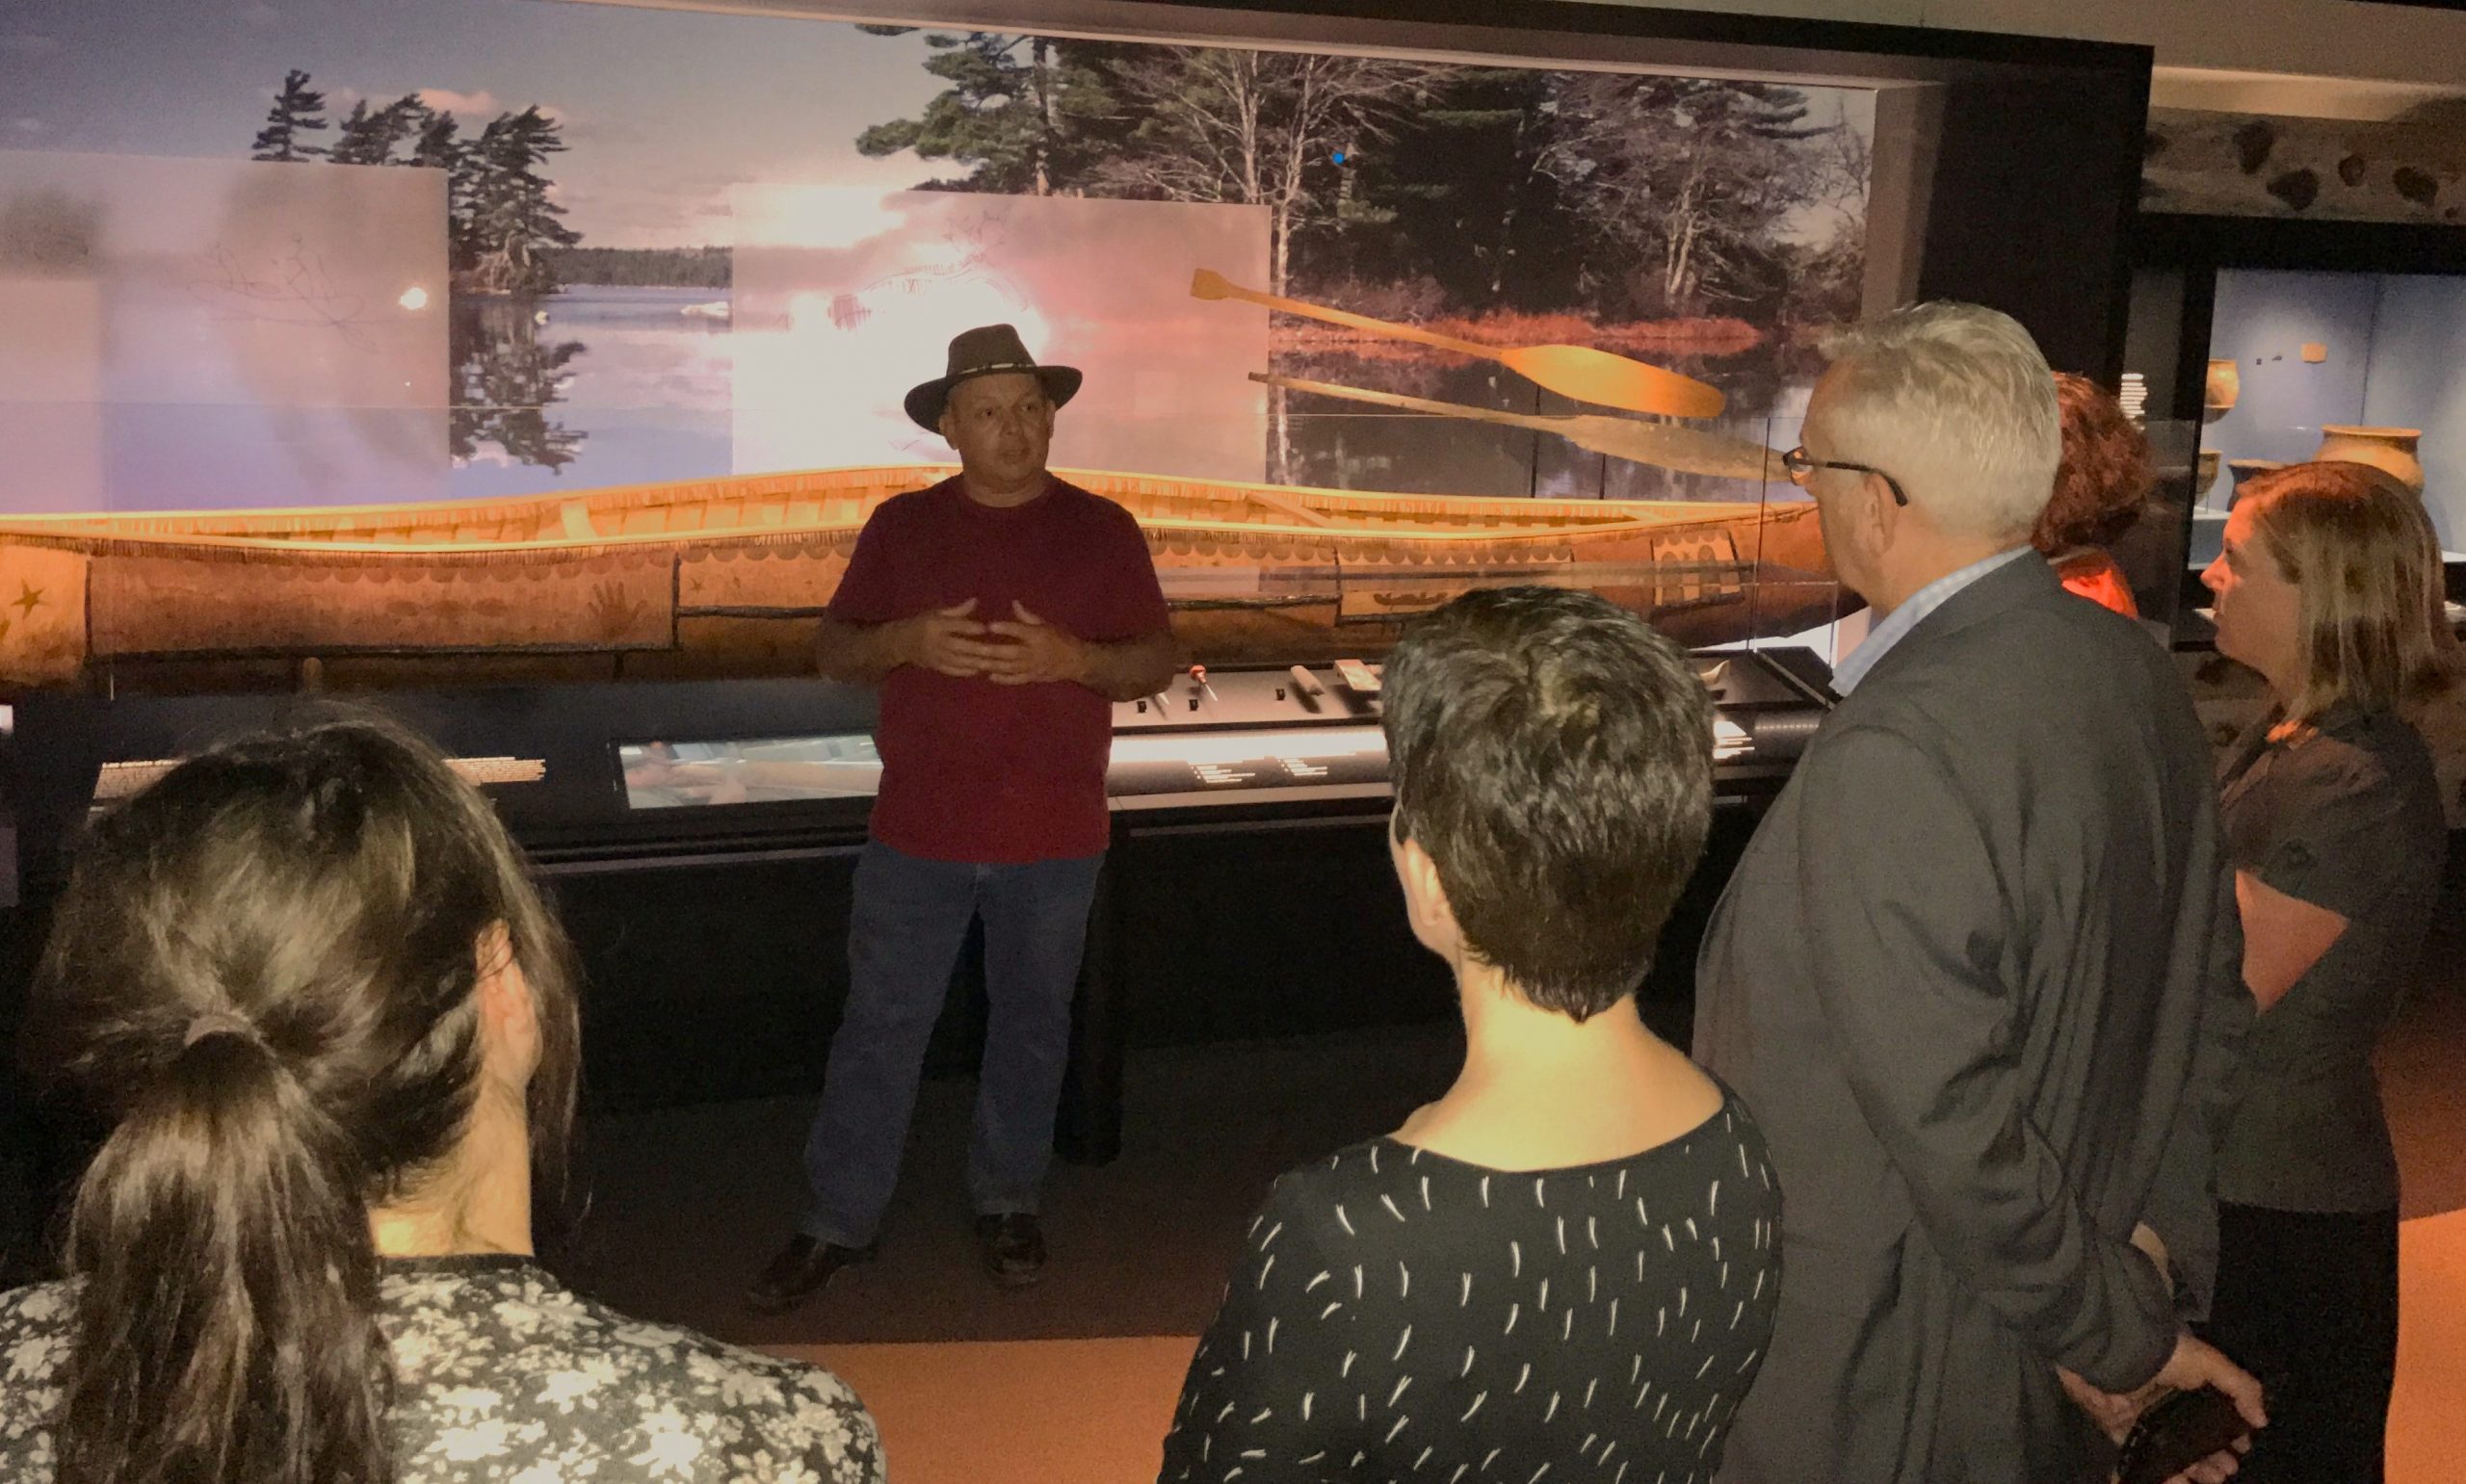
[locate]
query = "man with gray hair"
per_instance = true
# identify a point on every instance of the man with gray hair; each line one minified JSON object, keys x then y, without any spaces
{"x":1976,"y":974}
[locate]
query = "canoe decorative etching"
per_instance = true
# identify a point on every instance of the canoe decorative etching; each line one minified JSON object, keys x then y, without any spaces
{"x":727,"y":577}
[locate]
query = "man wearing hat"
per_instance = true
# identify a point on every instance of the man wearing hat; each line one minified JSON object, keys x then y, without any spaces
{"x":1000,"y":612}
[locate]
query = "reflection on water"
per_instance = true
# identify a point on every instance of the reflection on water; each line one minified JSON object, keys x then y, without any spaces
{"x":589,"y":387}
{"x":508,"y":378}
{"x":614,"y":386}
{"x":599,"y":386}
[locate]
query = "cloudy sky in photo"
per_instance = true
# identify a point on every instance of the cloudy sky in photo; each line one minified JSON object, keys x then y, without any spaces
{"x":665,"y":111}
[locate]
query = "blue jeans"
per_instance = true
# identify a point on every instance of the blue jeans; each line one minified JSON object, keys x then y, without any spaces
{"x":904,"y":938}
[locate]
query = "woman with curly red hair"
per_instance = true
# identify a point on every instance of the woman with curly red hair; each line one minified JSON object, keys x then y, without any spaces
{"x":2098,"y":493}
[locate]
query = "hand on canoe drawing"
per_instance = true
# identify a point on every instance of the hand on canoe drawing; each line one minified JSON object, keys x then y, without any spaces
{"x":949,"y":641}
{"x":1037,"y":652}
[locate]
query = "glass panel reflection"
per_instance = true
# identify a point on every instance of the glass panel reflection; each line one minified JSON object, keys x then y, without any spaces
{"x":774,"y":770}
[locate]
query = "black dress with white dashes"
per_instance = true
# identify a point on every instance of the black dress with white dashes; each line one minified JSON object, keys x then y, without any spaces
{"x":1402,"y":1315}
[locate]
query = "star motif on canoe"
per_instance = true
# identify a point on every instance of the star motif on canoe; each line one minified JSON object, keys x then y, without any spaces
{"x":29,"y":598}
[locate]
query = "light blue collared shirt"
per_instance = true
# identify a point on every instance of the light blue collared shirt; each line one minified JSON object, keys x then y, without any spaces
{"x":1879,"y":640}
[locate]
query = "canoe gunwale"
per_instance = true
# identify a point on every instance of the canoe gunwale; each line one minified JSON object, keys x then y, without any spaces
{"x":326,"y":529}
{"x":257,"y":548}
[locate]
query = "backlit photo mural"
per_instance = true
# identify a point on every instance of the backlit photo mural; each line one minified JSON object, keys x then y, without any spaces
{"x":341,"y":253}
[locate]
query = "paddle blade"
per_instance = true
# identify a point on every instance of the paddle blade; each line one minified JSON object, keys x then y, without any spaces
{"x":1207,"y":283}
{"x":1667,"y":446}
{"x":1613,"y":380}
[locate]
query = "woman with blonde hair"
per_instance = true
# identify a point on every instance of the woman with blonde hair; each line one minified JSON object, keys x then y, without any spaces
{"x":333,"y":1029}
{"x":2329,"y":585}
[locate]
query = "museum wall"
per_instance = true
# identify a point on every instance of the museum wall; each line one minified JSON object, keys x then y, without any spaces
{"x":2262,"y":322}
{"x":2333,"y":80}
{"x":2334,"y":39}
{"x":2419,"y":381}
{"x":2036,"y":140}
{"x":2267,"y":164}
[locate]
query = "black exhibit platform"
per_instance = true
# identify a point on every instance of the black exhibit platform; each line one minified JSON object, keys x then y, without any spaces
{"x":700,"y":839}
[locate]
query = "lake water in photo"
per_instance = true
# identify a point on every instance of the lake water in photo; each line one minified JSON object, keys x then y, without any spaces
{"x":597,"y":386}
{"x":641,"y":394}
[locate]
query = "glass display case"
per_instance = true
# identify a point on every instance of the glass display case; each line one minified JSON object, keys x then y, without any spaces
{"x":556,"y":448}
{"x":1530,"y":299}
{"x":2360,"y":366}
{"x":1247,"y":734}
{"x":2283,"y":342}
{"x":2280,"y":342}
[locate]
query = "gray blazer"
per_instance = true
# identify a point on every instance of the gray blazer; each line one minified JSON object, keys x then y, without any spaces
{"x":1979,"y":978}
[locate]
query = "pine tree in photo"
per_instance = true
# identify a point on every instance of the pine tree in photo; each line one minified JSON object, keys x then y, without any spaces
{"x":511,"y":215}
{"x":1026,"y":115}
{"x":369,"y":136}
{"x":1259,"y":128}
{"x":1687,"y":181}
{"x":298,"y":110}
{"x":1467,"y":195}
{"x":437,"y":144}
{"x":435,"y":138}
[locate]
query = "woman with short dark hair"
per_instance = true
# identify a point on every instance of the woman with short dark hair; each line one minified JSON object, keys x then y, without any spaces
{"x":2329,"y":585}
{"x":1565,"y":1265}
{"x":332,"y":1028}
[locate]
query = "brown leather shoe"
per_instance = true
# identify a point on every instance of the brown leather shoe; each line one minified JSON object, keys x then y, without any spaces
{"x":799,"y":1271}
{"x":1013,"y":1248}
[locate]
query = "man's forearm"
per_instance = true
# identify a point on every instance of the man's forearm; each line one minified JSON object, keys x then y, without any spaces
{"x":859,"y":654}
{"x":1127,"y":670}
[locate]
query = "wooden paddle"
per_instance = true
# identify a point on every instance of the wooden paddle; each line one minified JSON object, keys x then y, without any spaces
{"x":1685,"y":450}
{"x":1573,"y":371}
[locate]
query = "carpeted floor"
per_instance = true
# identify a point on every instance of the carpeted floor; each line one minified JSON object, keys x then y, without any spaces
{"x":1018,"y":1411}
{"x":1074,"y":1379}
{"x":1092,"y":1411}
{"x":688,"y":1203}
{"x":2426,"y":1440}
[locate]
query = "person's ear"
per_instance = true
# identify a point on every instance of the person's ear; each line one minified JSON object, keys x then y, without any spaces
{"x":1425,"y":904}
{"x":508,"y":1015}
{"x":1876,"y":515}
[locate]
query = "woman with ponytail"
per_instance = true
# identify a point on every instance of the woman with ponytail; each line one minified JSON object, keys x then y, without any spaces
{"x":332,"y":1026}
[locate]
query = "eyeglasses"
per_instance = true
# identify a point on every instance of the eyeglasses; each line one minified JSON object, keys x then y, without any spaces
{"x":1799,"y":463}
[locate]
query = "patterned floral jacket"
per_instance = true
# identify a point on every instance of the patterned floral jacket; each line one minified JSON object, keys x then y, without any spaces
{"x":504,"y":1375}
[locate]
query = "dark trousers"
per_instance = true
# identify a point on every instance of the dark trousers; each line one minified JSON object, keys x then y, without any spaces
{"x":2308,"y":1302}
{"x":904,"y":936}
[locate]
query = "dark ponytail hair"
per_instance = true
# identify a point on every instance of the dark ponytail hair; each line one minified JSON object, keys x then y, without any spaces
{"x":263,"y":975}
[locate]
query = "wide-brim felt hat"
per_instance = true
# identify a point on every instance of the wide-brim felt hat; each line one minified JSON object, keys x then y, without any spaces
{"x":986,"y":351}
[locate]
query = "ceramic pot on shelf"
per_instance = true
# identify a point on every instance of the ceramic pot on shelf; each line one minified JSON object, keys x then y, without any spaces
{"x":2205,"y":473}
{"x":2389,"y":450}
{"x":2244,"y":469}
{"x":2225,"y":384}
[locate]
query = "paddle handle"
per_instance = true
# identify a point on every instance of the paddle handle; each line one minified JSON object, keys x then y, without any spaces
{"x":1411,"y":403}
{"x":1208,"y":284}
{"x":1661,"y":444}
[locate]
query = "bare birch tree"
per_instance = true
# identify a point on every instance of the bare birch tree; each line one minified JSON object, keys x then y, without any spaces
{"x":1690,"y":175}
{"x":1257,"y":128}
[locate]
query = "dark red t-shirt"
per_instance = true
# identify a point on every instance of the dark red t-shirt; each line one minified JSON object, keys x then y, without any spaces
{"x":974,"y":770}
